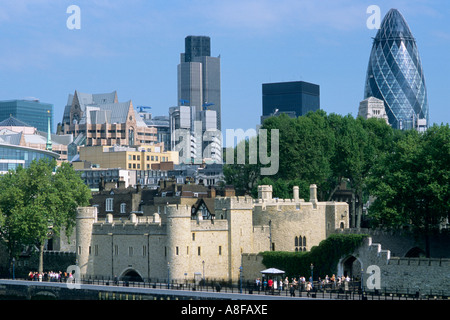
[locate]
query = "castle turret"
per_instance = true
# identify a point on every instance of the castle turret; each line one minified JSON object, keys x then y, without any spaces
{"x":86,"y":217}
{"x":178,"y":238}
{"x":265,"y":192}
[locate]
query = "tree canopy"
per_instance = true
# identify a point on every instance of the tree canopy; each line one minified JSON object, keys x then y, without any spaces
{"x":406,"y":172}
{"x":37,"y":201}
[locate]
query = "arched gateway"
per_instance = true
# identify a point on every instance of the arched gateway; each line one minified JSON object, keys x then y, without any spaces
{"x":131,"y":275}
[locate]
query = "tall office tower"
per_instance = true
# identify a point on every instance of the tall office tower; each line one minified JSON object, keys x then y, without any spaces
{"x":196,"y":139}
{"x":199,"y":77}
{"x":33,"y":112}
{"x":395,"y":74}
{"x":295,"y":98}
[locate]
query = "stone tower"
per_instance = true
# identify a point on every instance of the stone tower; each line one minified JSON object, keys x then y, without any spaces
{"x":86,"y":217}
{"x":178,"y":240}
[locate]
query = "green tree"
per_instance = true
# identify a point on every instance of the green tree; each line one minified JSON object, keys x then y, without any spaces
{"x":411,"y":182}
{"x":320,"y":149}
{"x":37,"y":201}
{"x":306,"y":146}
{"x":243,"y":176}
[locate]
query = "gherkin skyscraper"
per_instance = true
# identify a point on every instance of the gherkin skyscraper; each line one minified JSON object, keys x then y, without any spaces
{"x":395,"y":74}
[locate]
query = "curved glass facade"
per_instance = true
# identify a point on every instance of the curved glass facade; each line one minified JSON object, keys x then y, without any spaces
{"x":395,"y":74}
{"x":13,"y":156}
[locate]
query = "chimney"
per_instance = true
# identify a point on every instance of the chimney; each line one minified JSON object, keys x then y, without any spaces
{"x":229,"y":192}
{"x":296,"y":193}
{"x":313,"y":193}
{"x":121,"y":184}
{"x":211,"y":192}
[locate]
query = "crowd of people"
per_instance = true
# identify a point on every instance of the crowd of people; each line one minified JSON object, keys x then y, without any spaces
{"x":272,"y":285}
{"x":51,"y":276}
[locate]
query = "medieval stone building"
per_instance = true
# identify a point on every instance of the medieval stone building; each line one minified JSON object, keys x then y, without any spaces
{"x":183,"y":239}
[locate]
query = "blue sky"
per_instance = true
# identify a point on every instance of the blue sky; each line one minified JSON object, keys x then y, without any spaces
{"x":134,"y":47}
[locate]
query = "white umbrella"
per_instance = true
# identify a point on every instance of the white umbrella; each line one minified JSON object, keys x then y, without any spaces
{"x":272,"y":271}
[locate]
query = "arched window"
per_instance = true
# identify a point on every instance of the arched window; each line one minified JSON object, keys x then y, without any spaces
{"x":300,"y":243}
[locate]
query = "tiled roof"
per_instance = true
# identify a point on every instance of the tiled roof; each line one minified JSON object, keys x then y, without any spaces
{"x":13,"y":122}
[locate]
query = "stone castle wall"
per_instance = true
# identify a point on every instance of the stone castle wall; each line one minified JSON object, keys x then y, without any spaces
{"x":174,"y":244}
{"x":405,"y":275}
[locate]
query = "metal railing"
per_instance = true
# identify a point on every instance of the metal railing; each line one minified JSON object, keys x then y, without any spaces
{"x":350,"y":291}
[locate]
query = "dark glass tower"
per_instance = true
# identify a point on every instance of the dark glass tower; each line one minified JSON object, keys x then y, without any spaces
{"x":199,"y":77}
{"x":196,"y":46}
{"x":395,"y":74}
{"x":295,"y":98}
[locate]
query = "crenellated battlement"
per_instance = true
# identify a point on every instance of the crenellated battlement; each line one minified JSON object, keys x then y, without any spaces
{"x":234,"y":203}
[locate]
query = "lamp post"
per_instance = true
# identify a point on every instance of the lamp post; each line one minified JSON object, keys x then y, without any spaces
{"x":168,"y":275}
{"x":312,"y":268}
{"x":14,"y":264}
{"x":203,"y":263}
{"x":362,"y":286}
{"x":240,"y":279}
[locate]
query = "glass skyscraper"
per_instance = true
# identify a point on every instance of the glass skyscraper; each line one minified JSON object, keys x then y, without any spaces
{"x":32,"y":112}
{"x":199,"y":77}
{"x":395,"y":74}
{"x":294,"y":98}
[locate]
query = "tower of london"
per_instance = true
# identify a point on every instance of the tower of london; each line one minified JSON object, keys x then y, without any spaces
{"x":183,"y":241}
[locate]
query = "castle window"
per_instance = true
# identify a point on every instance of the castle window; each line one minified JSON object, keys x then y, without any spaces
{"x":144,"y":251}
{"x":193,"y":236}
{"x":199,"y":251}
{"x":116,"y":250}
{"x":176,"y":250}
{"x":96,"y":250}
{"x":300,"y":243}
{"x":109,"y":204}
{"x":130,"y":251}
{"x":123,"y":207}
{"x":220,"y":250}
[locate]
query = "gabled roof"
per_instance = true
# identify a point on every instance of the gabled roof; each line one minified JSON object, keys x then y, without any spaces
{"x":13,"y":122}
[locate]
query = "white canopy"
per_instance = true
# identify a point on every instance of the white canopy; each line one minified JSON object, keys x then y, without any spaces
{"x":272,"y":271}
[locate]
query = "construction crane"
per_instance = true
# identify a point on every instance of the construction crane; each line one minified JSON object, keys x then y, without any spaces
{"x":183,"y":102}
{"x":206,"y":105}
{"x":143,"y":107}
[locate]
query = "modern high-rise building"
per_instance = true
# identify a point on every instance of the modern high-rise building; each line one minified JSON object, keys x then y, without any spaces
{"x":295,"y":98}
{"x":33,"y":112}
{"x":195,"y":135}
{"x":395,"y":74}
{"x":199,"y":77}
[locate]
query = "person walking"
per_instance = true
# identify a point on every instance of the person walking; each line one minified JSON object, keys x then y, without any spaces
{"x":308,"y":288}
{"x":292,"y":290}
